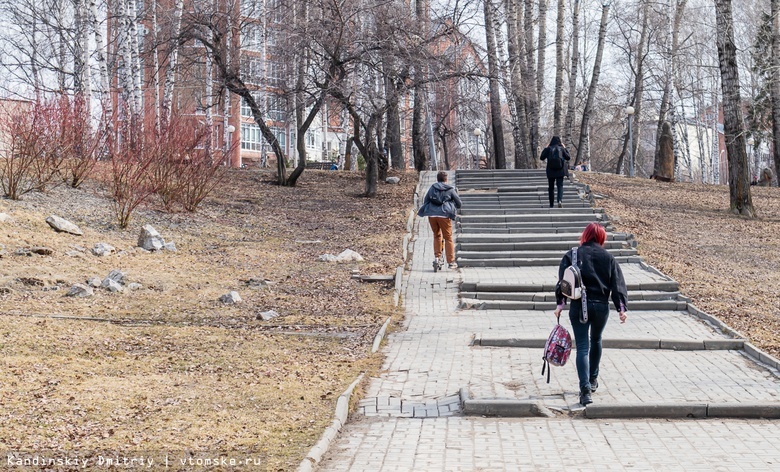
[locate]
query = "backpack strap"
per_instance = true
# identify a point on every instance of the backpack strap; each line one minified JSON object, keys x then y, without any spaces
{"x":584,"y":298}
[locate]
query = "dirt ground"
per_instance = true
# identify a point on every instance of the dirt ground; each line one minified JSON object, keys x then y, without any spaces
{"x":168,"y":368}
{"x":728,"y":265}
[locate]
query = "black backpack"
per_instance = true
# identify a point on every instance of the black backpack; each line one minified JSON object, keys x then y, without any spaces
{"x":555,"y":161}
{"x":438,"y":197}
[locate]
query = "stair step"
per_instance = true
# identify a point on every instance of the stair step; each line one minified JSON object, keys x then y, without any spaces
{"x":643,"y":305}
{"x":540,"y":245}
{"x":532,"y":262}
{"x":463,"y":255}
{"x":486,"y":287}
{"x":633,"y":295}
{"x":520,"y":238}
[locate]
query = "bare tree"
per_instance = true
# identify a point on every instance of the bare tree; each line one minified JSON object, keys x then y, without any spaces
{"x":575,"y":61}
{"x":775,"y":85}
{"x":559,"y":68}
{"x":496,"y":121}
{"x":739,"y":174}
{"x":583,"y":149}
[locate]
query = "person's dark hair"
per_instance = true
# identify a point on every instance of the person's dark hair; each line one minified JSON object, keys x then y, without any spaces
{"x":441,"y":177}
{"x":555,"y":141}
{"x":594,"y":232}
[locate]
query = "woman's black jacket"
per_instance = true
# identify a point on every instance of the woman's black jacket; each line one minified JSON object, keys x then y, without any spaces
{"x":601,"y":275}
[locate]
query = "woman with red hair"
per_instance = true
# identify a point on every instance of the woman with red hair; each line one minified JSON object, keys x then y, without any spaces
{"x":601,"y":278}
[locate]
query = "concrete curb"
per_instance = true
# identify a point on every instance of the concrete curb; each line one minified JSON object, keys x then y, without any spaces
{"x":342,"y":412}
{"x":665,"y":344}
{"x":502,"y":407}
{"x":684,"y":410}
{"x":399,"y":276}
{"x":380,"y":335}
{"x":751,"y":350}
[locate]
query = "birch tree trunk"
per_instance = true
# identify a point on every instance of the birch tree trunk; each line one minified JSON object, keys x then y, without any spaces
{"x":559,"y":68}
{"x":156,"y":65}
{"x":532,"y":100}
{"x":513,"y":11}
{"x":209,"y":105}
{"x":106,"y":99}
{"x":739,"y":174}
{"x":81,"y":79}
{"x":639,"y":90}
{"x":173,"y":58}
{"x":135,"y":61}
{"x":226,"y":144}
{"x":575,"y":62}
{"x":775,"y":86}
{"x":673,"y":35}
{"x":418,"y":118}
{"x":495,"y":98}
{"x":583,"y":149}
{"x":126,"y":80}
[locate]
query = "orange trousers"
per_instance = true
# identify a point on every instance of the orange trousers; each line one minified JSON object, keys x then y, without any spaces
{"x":442,"y":236}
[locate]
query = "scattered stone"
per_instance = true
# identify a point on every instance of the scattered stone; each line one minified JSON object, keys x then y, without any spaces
{"x":314,"y":241}
{"x":257,"y":283}
{"x":80,"y":291}
{"x":103,"y":249}
{"x":42,"y":250}
{"x":111,"y":285}
{"x":117,"y":276}
{"x":170,"y":246}
{"x":63,"y":226}
{"x":150,"y":239}
{"x":6,"y":290}
{"x":23,"y":251}
{"x":134,"y":286}
{"x":375,"y":278}
{"x":267,"y":315}
{"x":94,"y":282}
{"x":230,"y":298}
{"x":32,"y":281}
{"x":393,"y":180}
{"x":5,"y":218}
{"x":347,"y":255}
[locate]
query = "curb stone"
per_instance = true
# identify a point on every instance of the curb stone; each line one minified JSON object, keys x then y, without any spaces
{"x":342,"y":411}
{"x":399,"y":276}
{"x":380,"y":335}
{"x":623,"y":343}
{"x":684,"y":410}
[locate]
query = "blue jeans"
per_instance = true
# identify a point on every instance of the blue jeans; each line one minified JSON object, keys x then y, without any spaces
{"x":551,"y":183}
{"x":588,"y":350}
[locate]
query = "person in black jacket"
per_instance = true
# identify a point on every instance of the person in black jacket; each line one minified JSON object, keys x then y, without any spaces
{"x":440,"y":205}
{"x":557,"y":157}
{"x":601,"y":277}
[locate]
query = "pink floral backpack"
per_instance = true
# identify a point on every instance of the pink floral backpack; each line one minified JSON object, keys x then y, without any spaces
{"x":557,"y":349}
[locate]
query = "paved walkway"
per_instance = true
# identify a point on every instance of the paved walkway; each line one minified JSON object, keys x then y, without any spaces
{"x":410,"y":418}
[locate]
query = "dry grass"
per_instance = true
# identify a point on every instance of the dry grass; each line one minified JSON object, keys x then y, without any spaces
{"x":729,"y":265}
{"x":174,"y":369}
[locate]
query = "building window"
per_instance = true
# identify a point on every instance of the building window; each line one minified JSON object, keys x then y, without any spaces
{"x":275,"y":107}
{"x":252,"y":37}
{"x":251,"y":137}
{"x":275,"y":73}
{"x":252,"y":70}
{"x":310,"y":140}
{"x":281,"y":136}
{"x":245,"y":109}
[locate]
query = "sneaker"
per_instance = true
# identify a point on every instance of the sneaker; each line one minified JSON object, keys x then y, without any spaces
{"x":585,"y":398}
{"x":594,"y":384}
{"x":560,"y":205}
{"x":453,"y":265}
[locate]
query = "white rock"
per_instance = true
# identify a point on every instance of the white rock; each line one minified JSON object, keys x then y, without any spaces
{"x":80,"y":291}
{"x":170,"y":246}
{"x":150,"y":239}
{"x":267,"y":315}
{"x":103,"y":249}
{"x":393,"y":180}
{"x":111,"y":285}
{"x":230,"y":298}
{"x":5,"y":218}
{"x":64,"y":226}
{"x":348,"y":255}
{"x":117,"y":276}
{"x":94,"y":282}
{"x":327,"y":258}
{"x":134,"y":286}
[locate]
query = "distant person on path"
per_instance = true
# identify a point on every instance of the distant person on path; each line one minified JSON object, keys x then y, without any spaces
{"x":557,"y":157}
{"x":439,"y":206}
{"x":601,"y":277}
